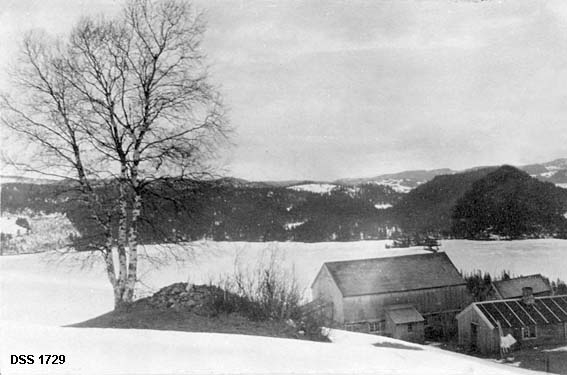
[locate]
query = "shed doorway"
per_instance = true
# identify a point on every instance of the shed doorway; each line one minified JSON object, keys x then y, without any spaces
{"x":474,"y":336}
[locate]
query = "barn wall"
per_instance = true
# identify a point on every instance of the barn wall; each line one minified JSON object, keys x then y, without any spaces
{"x":324,"y":288}
{"x":546,"y":334}
{"x":372,"y":307}
{"x":489,"y":339}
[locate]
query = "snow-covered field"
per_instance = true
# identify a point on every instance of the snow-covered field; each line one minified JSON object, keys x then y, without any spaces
{"x":112,"y":351}
{"x":323,"y":188}
{"x":39,"y":292}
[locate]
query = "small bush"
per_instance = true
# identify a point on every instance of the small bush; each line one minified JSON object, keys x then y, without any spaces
{"x":267,"y":292}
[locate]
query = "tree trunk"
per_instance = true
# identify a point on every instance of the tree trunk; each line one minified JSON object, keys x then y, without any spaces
{"x":120,"y":298}
{"x":133,"y":249}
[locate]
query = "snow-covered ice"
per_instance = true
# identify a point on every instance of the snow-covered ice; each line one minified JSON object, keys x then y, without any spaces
{"x":382,"y":206}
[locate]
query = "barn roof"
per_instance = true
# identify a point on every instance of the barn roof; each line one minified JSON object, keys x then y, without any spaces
{"x":394,"y":274}
{"x":403,"y":314}
{"x":514,"y":313}
{"x":512,"y":288}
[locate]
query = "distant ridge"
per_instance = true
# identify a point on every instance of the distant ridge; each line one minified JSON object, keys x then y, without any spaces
{"x":7,"y":179}
{"x":554,"y":171}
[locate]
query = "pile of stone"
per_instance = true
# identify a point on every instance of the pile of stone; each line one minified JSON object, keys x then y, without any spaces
{"x":199,"y":299}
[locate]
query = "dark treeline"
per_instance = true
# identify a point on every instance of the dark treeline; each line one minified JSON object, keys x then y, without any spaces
{"x":481,"y":204}
{"x":221,"y":211}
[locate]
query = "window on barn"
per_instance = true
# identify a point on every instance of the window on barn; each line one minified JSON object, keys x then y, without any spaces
{"x":410,"y":327}
{"x":377,"y":327}
{"x":529,"y":332}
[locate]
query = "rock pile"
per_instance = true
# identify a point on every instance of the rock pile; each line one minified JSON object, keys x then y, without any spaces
{"x":199,"y":299}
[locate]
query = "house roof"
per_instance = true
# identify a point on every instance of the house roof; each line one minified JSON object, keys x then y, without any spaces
{"x":512,"y":288}
{"x":394,"y":274}
{"x":514,"y":313}
{"x":403,"y":314}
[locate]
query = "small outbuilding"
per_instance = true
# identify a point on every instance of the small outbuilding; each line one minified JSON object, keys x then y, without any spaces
{"x":530,"y":320}
{"x":512,"y":288}
{"x":404,"y":322}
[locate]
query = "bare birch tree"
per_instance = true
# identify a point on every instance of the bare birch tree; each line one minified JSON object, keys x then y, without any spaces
{"x":126,"y":100}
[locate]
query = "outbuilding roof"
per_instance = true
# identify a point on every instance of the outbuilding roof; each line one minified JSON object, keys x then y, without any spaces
{"x":515,"y":313}
{"x":394,"y":274}
{"x":512,"y":288}
{"x":403,"y":314}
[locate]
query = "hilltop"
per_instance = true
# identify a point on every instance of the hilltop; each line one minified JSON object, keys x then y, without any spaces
{"x":502,"y":202}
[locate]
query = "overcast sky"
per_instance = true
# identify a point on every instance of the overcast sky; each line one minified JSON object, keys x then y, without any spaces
{"x":330,"y":89}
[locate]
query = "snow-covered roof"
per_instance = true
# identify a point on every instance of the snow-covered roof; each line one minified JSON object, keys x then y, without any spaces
{"x":394,"y":274}
{"x":403,"y":314}
{"x":512,"y":288}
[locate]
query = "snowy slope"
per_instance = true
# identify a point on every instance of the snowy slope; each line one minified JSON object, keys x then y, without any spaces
{"x":40,"y":292}
{"x":112,"y":351}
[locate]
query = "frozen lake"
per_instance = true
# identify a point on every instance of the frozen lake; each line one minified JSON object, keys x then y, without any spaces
{"x":548,"y":257}
{"x":41,"y":288}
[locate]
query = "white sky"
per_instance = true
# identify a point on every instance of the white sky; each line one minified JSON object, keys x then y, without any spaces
{"x":330,"y":89}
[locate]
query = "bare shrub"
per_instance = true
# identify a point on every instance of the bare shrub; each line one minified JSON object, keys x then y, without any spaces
{"x":268,"y":291}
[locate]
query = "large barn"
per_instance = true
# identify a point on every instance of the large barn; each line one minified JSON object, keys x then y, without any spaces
{"x":530,"y":320}
{"x":402,"y":296}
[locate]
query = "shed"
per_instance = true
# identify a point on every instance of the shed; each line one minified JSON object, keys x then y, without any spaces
{"x":512,"y":288}
{"x":404,"y":322}
{"x":530,"y":320}
{"x":361,"y":290}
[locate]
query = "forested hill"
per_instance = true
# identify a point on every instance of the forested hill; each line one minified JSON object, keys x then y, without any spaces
{"x":225,"y":211}
{"x":509,"y":203}
{"x":478,"y":204}
{"x":428,"y":209}
{"x":484,"y":203}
